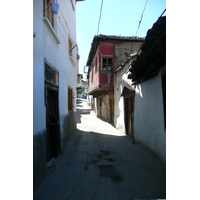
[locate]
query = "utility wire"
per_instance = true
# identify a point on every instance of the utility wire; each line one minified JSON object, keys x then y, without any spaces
{"x":163,"y":13}
{"x":100,"y":16}
{"x":97,"y":31}
{"x":63,"y":28}
{"x":98,"y":28}
{"x":141,"y":18}
{"x":59,"y":19}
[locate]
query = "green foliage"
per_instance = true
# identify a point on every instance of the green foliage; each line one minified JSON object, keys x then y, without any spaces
{"x":86,"y":83}
{"x":79,"y":91}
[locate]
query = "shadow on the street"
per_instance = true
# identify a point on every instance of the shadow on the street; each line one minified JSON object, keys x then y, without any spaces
{"x":147,"y":169}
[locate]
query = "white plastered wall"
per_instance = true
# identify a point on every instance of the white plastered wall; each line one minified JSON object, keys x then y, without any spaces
{"x":149,"y":116}
{"x":47,"y":49}
{"x":120,"y":81}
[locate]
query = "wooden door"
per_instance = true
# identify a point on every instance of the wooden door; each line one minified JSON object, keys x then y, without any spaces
{"x":129,"y":115}
{"x":52,"y":107}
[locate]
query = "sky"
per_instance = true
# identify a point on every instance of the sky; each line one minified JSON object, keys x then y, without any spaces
{"x":118,"y":17}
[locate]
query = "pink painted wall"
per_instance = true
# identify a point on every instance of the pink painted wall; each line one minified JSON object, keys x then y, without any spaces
{"x":102,"y":78}
{"x":107,"y":48}
{"x":95,"y":74}
{"x":106,"y":78}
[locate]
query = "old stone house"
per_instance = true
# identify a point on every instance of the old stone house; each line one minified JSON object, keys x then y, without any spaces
{"x":107,"y":53}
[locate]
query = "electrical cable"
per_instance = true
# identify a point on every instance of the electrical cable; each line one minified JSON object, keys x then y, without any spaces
{"x":159,"y":17}
{"x":62,"y":26}
{"x":97,"y":29}
{"x":141,"y":18}
{"x":100,"y":16}
{"x":163,"y":13}
{"x":67,"y":28}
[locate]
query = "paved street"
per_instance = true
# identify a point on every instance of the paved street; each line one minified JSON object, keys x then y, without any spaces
{"x":101,"y":163}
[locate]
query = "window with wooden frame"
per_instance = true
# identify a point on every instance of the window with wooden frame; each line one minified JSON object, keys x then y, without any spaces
{"x":70,"y":47}
{"x":47,"y":11}
{"x":70,"y":99}
{"x":106,"y":64}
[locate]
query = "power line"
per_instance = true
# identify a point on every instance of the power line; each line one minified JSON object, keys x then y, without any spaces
{"x":100,"y":16}
{"x":163,"y":13}
{"x":97,"y":29}
{"x":141,"y":18}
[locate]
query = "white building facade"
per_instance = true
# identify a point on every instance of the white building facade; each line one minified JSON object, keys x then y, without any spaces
{"x":148,"y":75}
{"x":123,"y":91}
{"x":54,"y":79}
{"x":149,"y":127}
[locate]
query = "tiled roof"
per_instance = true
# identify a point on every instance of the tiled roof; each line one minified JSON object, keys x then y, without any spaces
{"x":97,"y":39}
{"x":153,"y":53}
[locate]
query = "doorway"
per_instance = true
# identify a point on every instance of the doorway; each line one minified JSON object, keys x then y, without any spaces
{"x":53,"y":131}
{"x":129,"y":114}
{"x":111,"y":110}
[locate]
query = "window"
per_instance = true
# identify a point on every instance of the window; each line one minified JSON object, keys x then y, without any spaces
{"x":47,"y":11}
{"x":107,"y":64}
{"x":51,"y":75}
{"x":72,"y":50}
{"x":70,"y":99}
{"x":70,"y":47}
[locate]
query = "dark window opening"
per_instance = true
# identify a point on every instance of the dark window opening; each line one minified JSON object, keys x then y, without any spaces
{"x":104,"y":64}
{"x":107,"y":64}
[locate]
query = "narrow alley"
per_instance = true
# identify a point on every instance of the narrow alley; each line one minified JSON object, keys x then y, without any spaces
{"x":100,"y":162}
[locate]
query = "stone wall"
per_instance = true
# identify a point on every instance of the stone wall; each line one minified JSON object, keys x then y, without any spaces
{"x":105,"y":108}
{"x":123,"y":50}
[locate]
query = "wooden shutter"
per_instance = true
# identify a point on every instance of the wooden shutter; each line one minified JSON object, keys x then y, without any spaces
{"x":48,"y":13}
{"x":70,"y":47}
{"x":70,"y":99}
